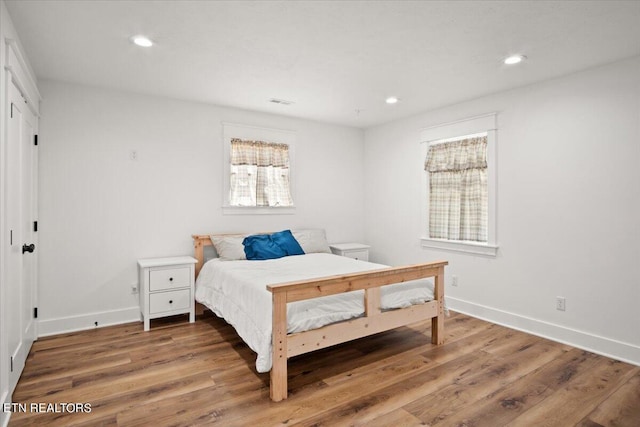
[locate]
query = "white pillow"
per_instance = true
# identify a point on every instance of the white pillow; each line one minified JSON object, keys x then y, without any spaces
{"x":229,"y":248}
{"x":312,"y":240}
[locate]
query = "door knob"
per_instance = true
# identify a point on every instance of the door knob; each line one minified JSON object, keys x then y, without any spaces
{"x":28,"y":248}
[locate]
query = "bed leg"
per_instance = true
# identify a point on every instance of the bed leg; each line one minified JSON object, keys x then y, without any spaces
{"x":278,"y":386}
{"x":437,"y":323}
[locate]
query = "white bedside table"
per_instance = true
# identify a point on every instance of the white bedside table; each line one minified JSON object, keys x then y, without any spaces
{"x":166,"y":287}
{"x":351,"y":250}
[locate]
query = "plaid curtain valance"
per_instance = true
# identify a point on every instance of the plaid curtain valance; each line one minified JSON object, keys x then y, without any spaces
{"x":259,"y":153}
{"x":457,"y":155}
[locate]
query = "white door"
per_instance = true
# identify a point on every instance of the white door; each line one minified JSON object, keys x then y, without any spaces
{"x":20,"y":215}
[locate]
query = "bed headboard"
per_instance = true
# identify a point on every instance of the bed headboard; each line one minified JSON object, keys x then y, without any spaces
{"x":202,"y":241}
{"x":199,"y":243}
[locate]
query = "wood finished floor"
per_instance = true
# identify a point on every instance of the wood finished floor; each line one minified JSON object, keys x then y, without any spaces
{"x":203,"y":374}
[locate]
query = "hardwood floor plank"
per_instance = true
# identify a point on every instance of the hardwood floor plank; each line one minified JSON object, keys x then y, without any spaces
{"x":30,"y":390}
{"x":181,"y":374}
{"x":87,"y":338}
{"x":107,"y":407}
{"x":120,"y":386}
{"x":52,"y":371}
{"x":157,"y":363}
{"x":436,"y":408}
{"x":436,"y":354}
{"x":397,"y":418}
{"x":183,"y":410}
{"x":621,"y":409}
{"x":409,"y":379}
{"x":494,"y":371}
{"x":317,"y":396}
{"x":573,"y":402}
{"x":160,"y":392}
{"x":115,"y":348}
{"x":507,"y":404}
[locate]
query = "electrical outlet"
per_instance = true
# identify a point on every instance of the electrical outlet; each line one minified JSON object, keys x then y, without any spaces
{"x":133,"y":155}
{"x":561,"y":303}
{"x":134,"y":288}
{"x":454,"y":280}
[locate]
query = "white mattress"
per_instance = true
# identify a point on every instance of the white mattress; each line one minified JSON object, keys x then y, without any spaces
{"x":236,"y":291}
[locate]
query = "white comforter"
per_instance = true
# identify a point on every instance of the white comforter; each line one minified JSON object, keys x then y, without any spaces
{"x":236,"y":291}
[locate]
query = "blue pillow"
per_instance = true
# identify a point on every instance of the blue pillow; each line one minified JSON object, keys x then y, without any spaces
{"x":261,"y":246}
{"x":287,"y":242}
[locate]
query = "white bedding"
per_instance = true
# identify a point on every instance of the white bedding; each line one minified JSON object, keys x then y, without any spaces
{"x":236,"y":291}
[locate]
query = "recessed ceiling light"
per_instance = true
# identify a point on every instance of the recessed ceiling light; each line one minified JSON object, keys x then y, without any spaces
{"x":514,"y":59}
{"x":391,"y":100}
{"x":142,"y":41}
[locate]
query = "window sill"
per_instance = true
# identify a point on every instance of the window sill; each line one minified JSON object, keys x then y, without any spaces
{"x":462,"y":247}
{"x":252,"y":210}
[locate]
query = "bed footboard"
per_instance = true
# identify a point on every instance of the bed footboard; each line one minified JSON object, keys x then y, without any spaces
{"x":374,"y":321}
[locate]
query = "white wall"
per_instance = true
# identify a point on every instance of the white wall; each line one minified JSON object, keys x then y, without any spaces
{"x":568,"y":208}
{"x":100,"y":211}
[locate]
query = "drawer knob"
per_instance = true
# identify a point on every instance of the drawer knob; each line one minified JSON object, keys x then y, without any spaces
{"x":171,"y":279}
{"x":170,"y":301}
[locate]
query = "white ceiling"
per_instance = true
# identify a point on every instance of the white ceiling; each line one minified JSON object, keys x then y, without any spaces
{"x":332,"y":58}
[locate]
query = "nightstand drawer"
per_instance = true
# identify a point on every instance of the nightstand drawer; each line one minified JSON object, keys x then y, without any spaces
{"x":169,"y":301}
{"x":169,"y":278}
{"x":361,"y":255}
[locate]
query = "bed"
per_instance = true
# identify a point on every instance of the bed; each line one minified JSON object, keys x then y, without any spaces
{"x":297,"y":304}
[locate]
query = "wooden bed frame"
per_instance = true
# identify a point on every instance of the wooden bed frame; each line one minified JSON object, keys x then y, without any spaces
{"x":374,"y":320}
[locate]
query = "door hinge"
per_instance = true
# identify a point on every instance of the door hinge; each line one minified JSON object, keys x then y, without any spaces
{"x":35,"y":312}
{"x":35,"y":139}
{"x":11,"y":363}
{"x":35,"y":225}
{"x":12,"y":110}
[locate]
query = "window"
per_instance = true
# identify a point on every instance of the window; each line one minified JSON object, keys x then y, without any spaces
{"x":257,"y":170}
{"x":259,"y":174}
{"x":459,"y":186}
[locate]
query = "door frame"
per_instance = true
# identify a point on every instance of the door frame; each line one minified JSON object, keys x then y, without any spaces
{"x":13,"y":66}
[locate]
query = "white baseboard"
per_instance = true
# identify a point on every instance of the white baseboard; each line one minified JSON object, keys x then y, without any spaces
{"x":618,"y":350}
{"x":83,"y":322}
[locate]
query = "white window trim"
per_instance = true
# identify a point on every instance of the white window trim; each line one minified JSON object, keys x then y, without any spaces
{"x":234,"y":130}
{"x":437,"y":134}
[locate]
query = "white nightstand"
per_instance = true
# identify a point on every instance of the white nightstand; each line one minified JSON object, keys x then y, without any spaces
{"x":166,"y":287}
{"x":351,"y":250}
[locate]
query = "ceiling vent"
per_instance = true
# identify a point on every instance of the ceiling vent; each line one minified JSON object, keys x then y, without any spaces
{"x":281,"y":101}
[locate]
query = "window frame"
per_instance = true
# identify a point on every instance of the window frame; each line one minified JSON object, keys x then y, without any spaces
{"x":247,"y":132}
{"x":485,"y":123}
